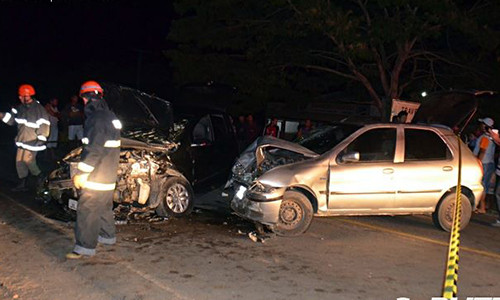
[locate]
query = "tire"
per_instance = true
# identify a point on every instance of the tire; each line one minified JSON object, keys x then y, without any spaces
{"x":295,"y":215}
{"x":176,"y":198}
{"x":443,"y":215}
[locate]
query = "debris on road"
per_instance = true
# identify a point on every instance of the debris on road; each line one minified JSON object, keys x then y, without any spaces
{"x":255,"y":236}
{"x":121,"y":222}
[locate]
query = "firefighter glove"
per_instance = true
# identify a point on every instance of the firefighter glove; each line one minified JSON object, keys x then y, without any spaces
{"x":79,"y":180}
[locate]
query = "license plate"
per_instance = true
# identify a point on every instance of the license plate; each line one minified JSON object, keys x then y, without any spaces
{"x":241,"y":192}
{"x":72,"y":204}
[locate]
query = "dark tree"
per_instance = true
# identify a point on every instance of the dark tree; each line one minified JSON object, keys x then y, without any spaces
{"x":391,"y":48}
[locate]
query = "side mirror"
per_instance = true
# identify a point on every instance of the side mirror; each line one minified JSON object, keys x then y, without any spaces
{"x":349,"y":157}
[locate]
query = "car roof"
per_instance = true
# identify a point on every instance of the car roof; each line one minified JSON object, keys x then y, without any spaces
{"x":438,"y":127}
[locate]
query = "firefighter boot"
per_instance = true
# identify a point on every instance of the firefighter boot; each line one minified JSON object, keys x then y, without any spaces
{"x":73,"y":255}
{"x":21,"y":186}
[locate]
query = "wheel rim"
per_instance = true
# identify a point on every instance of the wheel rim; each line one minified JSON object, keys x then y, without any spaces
{"x":290,"y":214}
{"x":449,"y":211}
{"x":177,"y":198}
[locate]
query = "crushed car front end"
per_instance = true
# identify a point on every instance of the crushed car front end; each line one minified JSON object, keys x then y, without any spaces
{"x":255,"y":200}
{"x":259,"y":203}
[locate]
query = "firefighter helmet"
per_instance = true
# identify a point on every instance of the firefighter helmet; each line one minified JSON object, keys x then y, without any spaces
{"x":91,"y":87}
{"x":26,"y":90}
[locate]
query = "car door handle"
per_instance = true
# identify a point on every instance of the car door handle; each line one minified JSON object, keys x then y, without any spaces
{"x":447,"y":168}
{"x":388,"y":170}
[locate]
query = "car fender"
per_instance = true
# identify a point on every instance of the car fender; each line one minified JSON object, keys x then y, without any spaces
{"x":308,"y":192}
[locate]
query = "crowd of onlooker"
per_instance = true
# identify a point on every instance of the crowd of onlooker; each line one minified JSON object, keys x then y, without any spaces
{"x":247,"y":130}
{"x":66,"y":125}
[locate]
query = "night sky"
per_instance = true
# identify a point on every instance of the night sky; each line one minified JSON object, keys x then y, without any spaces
{"x":56,"y":46}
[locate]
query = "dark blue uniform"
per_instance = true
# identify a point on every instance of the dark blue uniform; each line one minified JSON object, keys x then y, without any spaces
{"x":100,"y":158}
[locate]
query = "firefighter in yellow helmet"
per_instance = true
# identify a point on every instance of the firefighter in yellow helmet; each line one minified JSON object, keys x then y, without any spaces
{"x":33,"y":128}
{"x":96,"y":175}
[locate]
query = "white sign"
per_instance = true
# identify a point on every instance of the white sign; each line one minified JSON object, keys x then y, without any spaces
{"x":73,"y":204}
{"x":399,"y":105}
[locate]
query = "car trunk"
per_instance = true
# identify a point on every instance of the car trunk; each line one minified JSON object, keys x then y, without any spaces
{"x":454,"y":109}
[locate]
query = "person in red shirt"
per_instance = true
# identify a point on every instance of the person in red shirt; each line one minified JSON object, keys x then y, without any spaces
{"x":272,"y":129}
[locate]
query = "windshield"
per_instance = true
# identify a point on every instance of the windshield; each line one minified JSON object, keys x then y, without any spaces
{"x":326,"y":137}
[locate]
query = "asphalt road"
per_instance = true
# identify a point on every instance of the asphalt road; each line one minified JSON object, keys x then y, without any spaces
{"x":210,"y":256}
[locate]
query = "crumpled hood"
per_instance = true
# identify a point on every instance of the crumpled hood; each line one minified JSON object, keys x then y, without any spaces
{"x":138,"y":109}
{"x":303,"y":172}
{"x":264,"y":154}
{"x":255,"y":152}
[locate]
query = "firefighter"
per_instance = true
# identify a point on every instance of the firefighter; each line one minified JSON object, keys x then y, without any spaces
{"x":96,"y":176}
{"x":33,"y":128}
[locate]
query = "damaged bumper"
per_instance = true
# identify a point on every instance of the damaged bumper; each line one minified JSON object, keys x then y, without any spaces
{"x":258,"y":210}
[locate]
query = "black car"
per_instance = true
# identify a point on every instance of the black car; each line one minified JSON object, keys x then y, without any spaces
{"x":164,"y":159}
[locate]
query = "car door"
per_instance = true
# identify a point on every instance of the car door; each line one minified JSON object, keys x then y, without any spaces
{"x":427,"y":169}
{"x":224,"y":144}
{"x":365,"y":185}
{"x":202,"y":149}
{"x":213,"y":150}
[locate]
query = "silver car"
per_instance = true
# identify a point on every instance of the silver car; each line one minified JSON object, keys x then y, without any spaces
{"x":381,"y":169}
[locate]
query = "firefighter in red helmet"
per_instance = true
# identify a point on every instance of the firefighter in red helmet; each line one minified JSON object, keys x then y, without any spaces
{"x":96,"y":176}
{"x":33,"y":128}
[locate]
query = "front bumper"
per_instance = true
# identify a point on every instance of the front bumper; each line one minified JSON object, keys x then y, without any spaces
{"x":264,"y":212}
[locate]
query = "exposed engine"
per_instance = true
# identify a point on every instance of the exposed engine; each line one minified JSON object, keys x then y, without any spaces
{"x":136,"y":173}
{"x":278,"y":157}
{"x":138,"y":177}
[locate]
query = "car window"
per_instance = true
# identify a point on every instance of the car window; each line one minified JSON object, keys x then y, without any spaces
{"x":202,"y":131}
{"x":219,"y":126}
{"x":326,"y":137}
{"x":425,"y":145}
{"x":376,"y":145}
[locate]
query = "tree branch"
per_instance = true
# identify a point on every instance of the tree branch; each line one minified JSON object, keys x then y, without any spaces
{"x":329,"y":70}
{"x":342,"y":62}
{"x":368,"y":85}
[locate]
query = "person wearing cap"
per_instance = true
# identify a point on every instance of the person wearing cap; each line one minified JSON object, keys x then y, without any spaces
{"x":485,"y":151}
{"x":96,"y":174}
{"x":33,"y":127}
{"x":496,"y":138}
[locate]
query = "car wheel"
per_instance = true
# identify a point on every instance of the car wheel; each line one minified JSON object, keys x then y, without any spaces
{"x":443,"y":215}
{"x":176,"y":198}
{"x":295,"y":214}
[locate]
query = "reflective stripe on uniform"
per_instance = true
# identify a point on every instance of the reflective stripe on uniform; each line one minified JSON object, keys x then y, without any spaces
{"x":85,"y":167}
{"x":14,"y":110}
{"x":42,"y":138}
{"x":96,"y":186}
{"x":6,"y":117}
{"x":42,"y":121}
{"x":31,"y":148}
{"x":117,"y":124}
{"x":85,"y":141}
{"x":112,"y":143}
{"x":26,"y":123}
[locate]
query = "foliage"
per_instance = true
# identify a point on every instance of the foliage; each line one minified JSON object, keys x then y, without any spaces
{"x":295,"y":49}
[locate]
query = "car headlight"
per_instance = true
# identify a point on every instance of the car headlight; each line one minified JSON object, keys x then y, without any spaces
{"x":262,"y":188}
{"x":238,"y":169}
{"x":241,"y":192}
